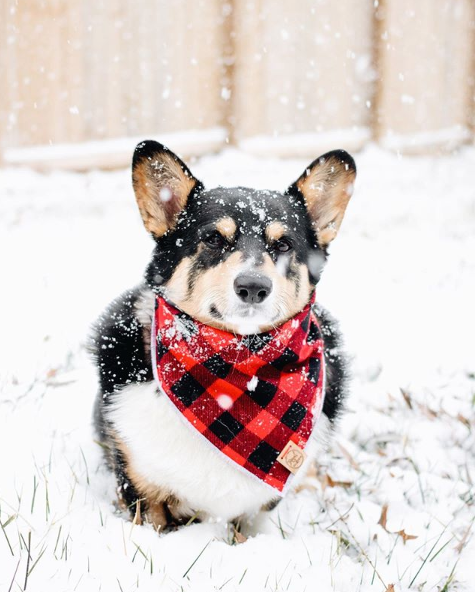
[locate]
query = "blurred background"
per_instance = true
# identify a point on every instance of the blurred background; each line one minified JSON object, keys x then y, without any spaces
{"x":83,"y":80}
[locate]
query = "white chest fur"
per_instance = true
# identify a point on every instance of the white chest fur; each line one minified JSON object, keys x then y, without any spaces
{"x":169,"y":454}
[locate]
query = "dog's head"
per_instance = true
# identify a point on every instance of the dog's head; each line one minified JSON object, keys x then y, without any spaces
{"x":236,"y":258}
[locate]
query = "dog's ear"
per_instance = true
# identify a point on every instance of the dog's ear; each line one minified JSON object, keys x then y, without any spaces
{"x":326,"y":186}
{"x":162,"y":184}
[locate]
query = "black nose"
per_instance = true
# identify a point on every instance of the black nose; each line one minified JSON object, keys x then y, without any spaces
{"x":252,"y":289}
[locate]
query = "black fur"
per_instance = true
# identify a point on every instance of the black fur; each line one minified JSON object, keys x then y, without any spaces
{"x":118,"y":346}
{"x":336,"y":365}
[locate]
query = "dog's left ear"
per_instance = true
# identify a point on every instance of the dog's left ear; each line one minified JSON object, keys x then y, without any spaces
{"x":327,"y":185}
{"x":162,"y":184}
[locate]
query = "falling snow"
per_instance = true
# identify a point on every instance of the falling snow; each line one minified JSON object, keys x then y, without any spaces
{"x":252,"y":384}
{"x":224,"y":401}
{"x":166,"y":194}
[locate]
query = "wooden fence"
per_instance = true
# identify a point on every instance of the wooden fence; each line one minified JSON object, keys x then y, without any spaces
{"x":85,"y":79}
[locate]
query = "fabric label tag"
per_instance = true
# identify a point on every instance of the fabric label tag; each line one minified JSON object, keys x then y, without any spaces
{"x":292,"y":457}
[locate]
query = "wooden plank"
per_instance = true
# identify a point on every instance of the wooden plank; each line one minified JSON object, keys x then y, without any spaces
{"x":140,"y":68}
{"x":35,"y":76}
{"x":5,"y":68}
{"x":248,"y":73}
{"x":303,"y":68}
{"x":73,"y":72}
{"x":426,"y":60}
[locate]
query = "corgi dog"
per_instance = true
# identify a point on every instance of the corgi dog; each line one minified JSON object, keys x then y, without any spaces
{"x":199,"y":431}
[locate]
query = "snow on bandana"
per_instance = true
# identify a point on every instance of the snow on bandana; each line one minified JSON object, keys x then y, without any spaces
{"x":256,"y":398}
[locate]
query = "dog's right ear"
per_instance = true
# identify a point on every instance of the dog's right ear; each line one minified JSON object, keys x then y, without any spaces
{"x":162,"y":184}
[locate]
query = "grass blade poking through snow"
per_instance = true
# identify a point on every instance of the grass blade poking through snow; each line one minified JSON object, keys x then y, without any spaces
{"x":196,"y":559}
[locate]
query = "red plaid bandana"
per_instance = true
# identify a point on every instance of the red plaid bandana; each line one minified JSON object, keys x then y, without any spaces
{"x":256,"y":398}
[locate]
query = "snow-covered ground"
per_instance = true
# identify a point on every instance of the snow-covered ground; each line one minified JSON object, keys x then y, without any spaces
{"x":392,"y":502}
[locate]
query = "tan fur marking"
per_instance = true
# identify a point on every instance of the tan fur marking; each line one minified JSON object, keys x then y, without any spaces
{"x":275,"y":231}
{"x":152,"y":176}
{"x":144,"y":308}
{"x":210,"y":287}
{"x":292,"y":298}
{"x":227,"y":227}
{"x":177,"y":285}
{"x":156,"y":514}
{"x":327,"y":189}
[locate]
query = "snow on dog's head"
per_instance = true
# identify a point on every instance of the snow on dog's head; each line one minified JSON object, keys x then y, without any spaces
{"x":239,"y":259}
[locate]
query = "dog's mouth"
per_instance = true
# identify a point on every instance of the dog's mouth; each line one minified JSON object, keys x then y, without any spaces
{"x":247,"y":319}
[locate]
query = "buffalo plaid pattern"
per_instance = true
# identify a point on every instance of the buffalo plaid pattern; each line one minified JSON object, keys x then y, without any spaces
{"x":247,"y":395}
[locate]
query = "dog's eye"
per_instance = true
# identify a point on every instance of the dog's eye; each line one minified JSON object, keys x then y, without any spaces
{"x":215,"y":241}
{"x":282,"y":245}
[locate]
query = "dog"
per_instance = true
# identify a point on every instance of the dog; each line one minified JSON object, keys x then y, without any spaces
{"x":233,"y":264}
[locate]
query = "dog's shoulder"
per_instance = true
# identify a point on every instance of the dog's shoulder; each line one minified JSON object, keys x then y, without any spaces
{"x":119,"y":342}
{"x":336,"y":364}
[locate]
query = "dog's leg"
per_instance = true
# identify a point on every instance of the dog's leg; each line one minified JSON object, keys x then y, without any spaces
{"x":128,"y":497}
{"x":157,"y":515}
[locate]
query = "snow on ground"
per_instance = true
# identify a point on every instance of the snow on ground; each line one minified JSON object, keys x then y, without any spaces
{"x":393,"y":500}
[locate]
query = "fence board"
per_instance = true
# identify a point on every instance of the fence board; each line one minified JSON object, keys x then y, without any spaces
{"x":426,"y":61}
{"x":304,"y":70}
